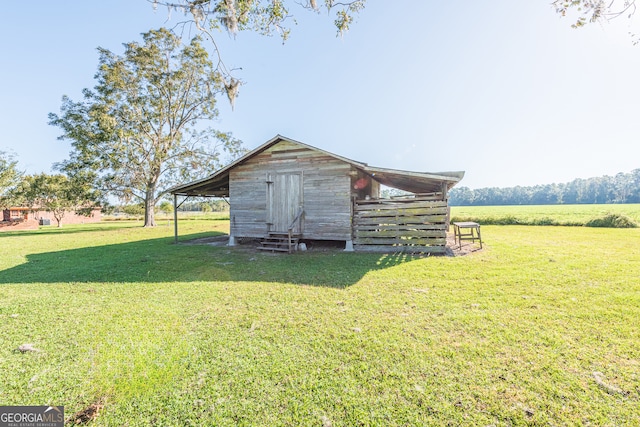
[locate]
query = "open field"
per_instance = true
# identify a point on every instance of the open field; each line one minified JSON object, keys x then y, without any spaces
{"x":542,"y":214}
{"x":542,"y":327}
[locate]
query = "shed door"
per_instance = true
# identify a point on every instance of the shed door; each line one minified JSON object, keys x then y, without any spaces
{"x":284,"y":200}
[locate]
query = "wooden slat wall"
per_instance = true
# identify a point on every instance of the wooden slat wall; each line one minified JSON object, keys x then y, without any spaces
{"x":326,"y":192}
{"x":409,"y":225}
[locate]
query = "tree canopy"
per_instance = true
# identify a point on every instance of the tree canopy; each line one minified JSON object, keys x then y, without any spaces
{"x":140,"y":130}
{"x":9,"y":177}
{"x":592,"y":11}
{"x":266,"y":17}
{"x":621,"y":188}
{"x":263,"y":16}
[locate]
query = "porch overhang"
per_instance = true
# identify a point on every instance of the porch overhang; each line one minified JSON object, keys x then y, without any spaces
{"x":216,"y":185}
{"x":414,"y":182}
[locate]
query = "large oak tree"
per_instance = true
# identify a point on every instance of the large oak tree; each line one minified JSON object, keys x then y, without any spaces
{"x":144,"y":126}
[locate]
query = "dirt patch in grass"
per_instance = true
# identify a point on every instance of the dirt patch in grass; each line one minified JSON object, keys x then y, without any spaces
{"x":455,"y":249}
{"x":88,"y":414}
{"x":213,"y":241}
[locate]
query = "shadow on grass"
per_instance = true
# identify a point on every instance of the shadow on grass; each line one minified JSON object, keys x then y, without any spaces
{"x":159,"y":260}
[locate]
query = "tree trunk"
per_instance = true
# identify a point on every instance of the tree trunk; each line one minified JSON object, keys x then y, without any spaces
{"x":149,"y":205}
{"x":58,"y":217}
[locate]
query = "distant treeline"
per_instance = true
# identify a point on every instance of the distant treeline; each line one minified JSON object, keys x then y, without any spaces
{"x":622,"y":188}
{"x":205,"y":205}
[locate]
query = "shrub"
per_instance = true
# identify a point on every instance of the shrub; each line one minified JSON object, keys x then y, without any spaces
{"x":612,"y":221}
{"x":492,"y":220}
{"x":545,"y":221}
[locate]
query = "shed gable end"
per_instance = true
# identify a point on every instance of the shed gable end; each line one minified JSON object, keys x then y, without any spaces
{"x":324,"y":192}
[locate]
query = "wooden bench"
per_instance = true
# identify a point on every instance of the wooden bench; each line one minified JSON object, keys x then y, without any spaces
{"x":467,"y":231}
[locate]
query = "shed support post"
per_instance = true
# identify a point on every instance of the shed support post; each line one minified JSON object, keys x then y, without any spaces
{"x":175,"y":218}
{"x":348,"y":246}
{"x":232,"y":237}
{"x":445,"y":198}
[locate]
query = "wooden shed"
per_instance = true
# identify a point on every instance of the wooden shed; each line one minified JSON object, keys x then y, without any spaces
{"x":285,"y":191}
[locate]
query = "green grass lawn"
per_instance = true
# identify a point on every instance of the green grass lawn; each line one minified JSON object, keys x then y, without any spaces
{"x":542,"y":214}
{"x":542,"y":327}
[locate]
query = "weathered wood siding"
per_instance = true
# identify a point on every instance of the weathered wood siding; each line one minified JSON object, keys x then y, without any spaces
{"x":409,"y":225}
{"x":326,"y":192}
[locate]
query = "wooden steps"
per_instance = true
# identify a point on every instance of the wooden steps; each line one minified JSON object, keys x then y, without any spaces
{"x":279,"y":242}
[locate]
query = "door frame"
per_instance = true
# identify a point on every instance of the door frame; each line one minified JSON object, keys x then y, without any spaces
{"x":273,"y":196}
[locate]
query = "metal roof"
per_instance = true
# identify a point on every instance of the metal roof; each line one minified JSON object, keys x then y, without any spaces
{"x":217,"y":184}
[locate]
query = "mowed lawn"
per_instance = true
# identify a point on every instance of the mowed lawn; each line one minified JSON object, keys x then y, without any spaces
{"x":542,"y":327}
{"x":543,"y":214}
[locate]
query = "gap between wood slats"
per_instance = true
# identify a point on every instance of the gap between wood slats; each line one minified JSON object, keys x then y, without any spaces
{"x":398,"y":227}
{"x":391,"y":241}
{"x":391,"y":206}
{"x":402,"y":212}
{"x":405,"y":220}
{"x":405,"y":249}
{"x":401,"y":233}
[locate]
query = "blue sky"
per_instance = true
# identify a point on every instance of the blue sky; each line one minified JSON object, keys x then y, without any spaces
{"x":503,"y":90}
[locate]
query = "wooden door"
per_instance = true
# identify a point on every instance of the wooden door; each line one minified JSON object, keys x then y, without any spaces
{"x":284,"y":201}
